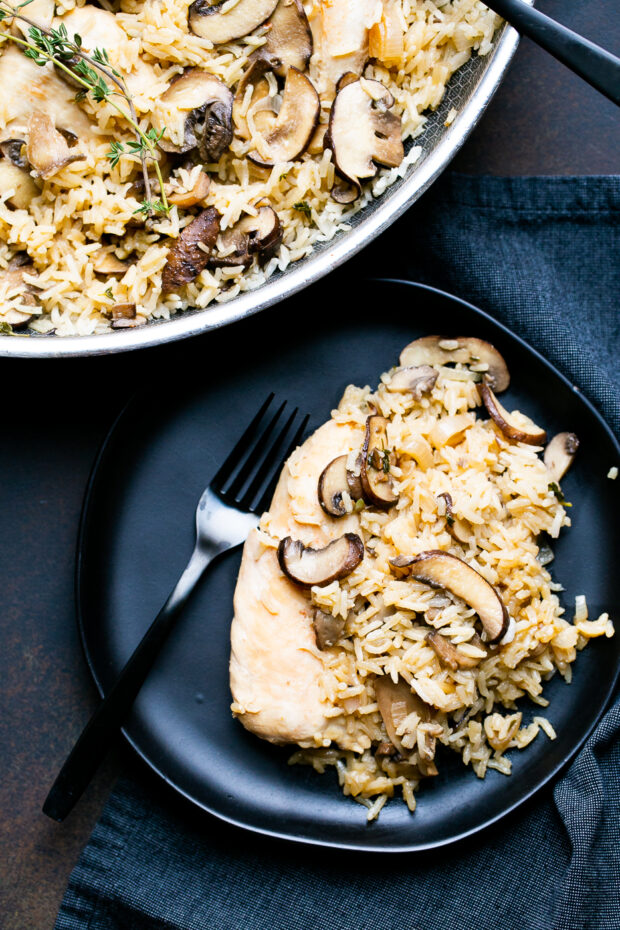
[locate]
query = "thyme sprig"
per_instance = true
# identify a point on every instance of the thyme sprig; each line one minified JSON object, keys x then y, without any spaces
{"x":90,"y":71}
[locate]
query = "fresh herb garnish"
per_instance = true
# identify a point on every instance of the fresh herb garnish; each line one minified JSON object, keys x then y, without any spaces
{"x":6,"y":329}
{"x":359,"y":505}
{"x":108,"y":293}
{"x":302,"y":206}
{"x":556,"y":489}
{"x":96,"y":76}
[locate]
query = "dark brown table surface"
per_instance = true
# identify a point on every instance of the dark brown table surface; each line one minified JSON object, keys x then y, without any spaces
{"x":543,"y":120}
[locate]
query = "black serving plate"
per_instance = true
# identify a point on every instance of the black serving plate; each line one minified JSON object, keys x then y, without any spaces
{"x":137,"y":534}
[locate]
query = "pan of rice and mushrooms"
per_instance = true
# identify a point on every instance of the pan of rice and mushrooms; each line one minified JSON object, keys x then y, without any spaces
{"x":159,"y":156}
{"x":395,"y":604}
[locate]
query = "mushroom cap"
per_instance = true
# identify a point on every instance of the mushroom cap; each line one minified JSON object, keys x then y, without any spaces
{"x":15,"y":151}
{"x":253,"y":235}
{"x":333,"y":483}
{"x":362,"y":132}
{"x":416,"y":380}
{"x":560,"y":453}
{"x":13,"y":284}
{"x":219,"y":25}
{"x":533,"y":436}
{"x":289,"y":40}
{"x":375,"y":465}
{"x":466,"y":350}
{"x":294,"y":126}
{"x":307,"y":567}
{"x":440,"y":569}
{"x":198,"y":114}
{"x":48,"y":150}
{"x":186,"y":259}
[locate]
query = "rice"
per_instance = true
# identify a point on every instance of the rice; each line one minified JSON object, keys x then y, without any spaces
{"x":88,"y":204}
{"x":503,"y":499}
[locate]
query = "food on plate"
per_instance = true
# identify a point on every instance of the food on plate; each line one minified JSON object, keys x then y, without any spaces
{"x":164,"y":154}
{"x":396,"y":602}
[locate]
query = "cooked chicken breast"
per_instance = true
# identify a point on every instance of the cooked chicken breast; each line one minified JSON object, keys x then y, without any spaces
{"x":340,"y":30}
{"x":275,"y":666}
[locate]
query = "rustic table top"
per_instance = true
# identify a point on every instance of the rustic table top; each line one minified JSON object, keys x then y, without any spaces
{"x":543,"y":120}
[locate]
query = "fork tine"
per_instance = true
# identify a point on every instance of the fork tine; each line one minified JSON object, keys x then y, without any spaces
{"x":262,"y":468}
{"x":265,"y":499}
{"x":254,"y":456}
{"x":232,"y":459}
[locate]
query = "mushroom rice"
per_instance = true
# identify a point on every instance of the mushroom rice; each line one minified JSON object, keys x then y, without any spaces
{"x":238,"y":96}
{"x":397,"y":596}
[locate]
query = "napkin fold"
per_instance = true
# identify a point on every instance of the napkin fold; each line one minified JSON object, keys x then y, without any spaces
{"x":543,"y":256}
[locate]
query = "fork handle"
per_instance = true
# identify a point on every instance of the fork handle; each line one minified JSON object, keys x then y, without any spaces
{"x":98,"y":734}
{"x":598,"y":67}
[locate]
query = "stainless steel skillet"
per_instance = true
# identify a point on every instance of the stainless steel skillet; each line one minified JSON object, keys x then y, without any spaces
{"x":469,"y":92}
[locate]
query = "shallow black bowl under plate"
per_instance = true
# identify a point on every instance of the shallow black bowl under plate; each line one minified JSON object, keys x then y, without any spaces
{"x":137,"y":534}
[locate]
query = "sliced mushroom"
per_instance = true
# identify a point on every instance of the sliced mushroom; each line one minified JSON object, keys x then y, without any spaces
{"x":344,"y":193}
{"x":289,"y":40}
{"x":417,"y":380}
{"x":294,"y":126}
{"x":396,"y":702}
{"x":307,"y":567}
{"x":224,"y":22}
{"x":560,"y":453}
{"x":505,"y":421}
{"x":376,"y":463}
{"x":191,"y":252}
{"x":362,"y":132}
{"x":332,"y":485}
{"x":13,"y":285}
{"x":124,"y":311}
{"x":456,"y":527}
{"x":442,"y":570}
{"x":20,"y":182}
{"x":253,"y":235}
{"x":196,"y":195}
{"x":196,"y":113}
{"x":466,"y":350}
{"x":327,"y":629}
{"x":108,"y":264}
{"x":47,"y":149}
{"x":335,"y":480}
{"x":449,"y":654}
{"x":15,"y":151}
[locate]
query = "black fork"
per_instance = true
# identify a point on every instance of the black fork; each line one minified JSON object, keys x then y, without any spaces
{"x":228,"y":509}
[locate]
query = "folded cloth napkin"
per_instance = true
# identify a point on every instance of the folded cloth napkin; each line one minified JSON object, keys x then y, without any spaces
{"x":543,"y":256}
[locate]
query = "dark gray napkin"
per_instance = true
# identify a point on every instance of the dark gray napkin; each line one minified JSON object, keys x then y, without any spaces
{"x":543,"y":256}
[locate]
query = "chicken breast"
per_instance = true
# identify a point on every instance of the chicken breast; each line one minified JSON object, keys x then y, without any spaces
{"x":275,"y":666}
{"x":340,"y":30}
{"x":37,"y":88}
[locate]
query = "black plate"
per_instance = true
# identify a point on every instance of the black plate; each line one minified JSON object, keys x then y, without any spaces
{"x":137,"y":533}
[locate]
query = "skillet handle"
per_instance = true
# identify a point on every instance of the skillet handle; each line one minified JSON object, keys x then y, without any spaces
{"x":598,"y":67}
